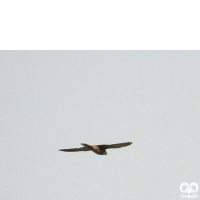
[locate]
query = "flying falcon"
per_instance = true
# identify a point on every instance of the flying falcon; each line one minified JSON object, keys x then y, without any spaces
{"x":98,"y":149}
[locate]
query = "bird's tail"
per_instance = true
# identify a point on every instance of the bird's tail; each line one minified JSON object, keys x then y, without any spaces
{"x":87,"y":145}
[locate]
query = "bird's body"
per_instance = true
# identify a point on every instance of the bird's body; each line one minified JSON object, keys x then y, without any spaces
{"x":98,"y":149}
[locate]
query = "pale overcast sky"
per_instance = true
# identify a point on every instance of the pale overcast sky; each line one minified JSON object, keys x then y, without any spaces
{"x":59,"y":99}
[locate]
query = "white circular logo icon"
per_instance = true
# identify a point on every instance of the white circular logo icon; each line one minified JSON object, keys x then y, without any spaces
{"x":189,"y":190}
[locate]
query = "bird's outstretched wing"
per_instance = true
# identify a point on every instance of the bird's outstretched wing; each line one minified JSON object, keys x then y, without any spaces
{"x":75,"y":149}
{"x":118,"y":145}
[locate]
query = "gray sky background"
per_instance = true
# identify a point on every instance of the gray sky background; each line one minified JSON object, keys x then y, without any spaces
{"x":59,"y":99}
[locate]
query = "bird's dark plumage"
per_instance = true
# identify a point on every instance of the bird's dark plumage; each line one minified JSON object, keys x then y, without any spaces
{"x":75,"y":149}
{"x":98,"y":149}
{"x":118,"y":145}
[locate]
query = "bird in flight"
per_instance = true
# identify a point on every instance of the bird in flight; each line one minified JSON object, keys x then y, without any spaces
{"x":98,"y":149}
